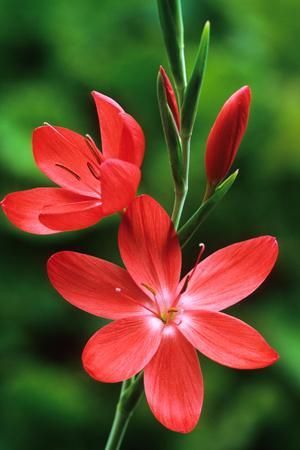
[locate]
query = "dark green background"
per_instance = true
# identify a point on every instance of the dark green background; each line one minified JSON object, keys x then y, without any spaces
{"x":53,"y":54}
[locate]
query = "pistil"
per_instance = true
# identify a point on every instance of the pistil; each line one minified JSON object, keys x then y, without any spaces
{"x":189,"y":276}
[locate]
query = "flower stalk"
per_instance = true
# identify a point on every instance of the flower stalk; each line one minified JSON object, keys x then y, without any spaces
{"x":181,"y":191}
{"x":178,"y":135}
{"x":170,"y":13}
{"x":131,"y":392}
{"x":94,"y":184}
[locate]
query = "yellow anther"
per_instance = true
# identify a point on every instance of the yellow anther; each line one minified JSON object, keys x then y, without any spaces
{"x":149,"y":288}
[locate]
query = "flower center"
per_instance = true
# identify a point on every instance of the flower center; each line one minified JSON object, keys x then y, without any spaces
{"x":169,"y":315}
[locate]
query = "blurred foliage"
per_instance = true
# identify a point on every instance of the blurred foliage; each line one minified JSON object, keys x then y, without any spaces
{"x":53,"y":54}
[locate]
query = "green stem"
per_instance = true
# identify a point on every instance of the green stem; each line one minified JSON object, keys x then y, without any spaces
{"x":181,"y":193}
{"x":180,"y":94}
{"x":130,"y":394}
{"x":209,"y":191}
{"x":179,"y":201}
{"x":180,"y":88}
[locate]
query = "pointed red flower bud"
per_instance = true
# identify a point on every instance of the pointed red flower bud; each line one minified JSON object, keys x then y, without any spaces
{"x":171,"y":97}
{"x":226,"y":135}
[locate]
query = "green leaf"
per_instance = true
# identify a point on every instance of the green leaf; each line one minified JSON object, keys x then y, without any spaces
{"x":192,"y":95}
{"x":170,"y":15}
{"x":171,"y":135}
{"x":191,"y":226}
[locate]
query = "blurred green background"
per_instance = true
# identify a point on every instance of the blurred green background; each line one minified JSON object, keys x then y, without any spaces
{"x":53,"y":54}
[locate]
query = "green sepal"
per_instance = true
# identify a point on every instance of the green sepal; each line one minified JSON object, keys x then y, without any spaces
{"x":191,"y":226}
{"x":170,"y":15}
{"x":192,"y":94}
{"x":171,"y":134}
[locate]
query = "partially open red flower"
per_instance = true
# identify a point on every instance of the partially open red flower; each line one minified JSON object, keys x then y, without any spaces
{"x":160,"y":320}
{"x":171,"y":96}
{"x":93,"y":184}
{"x":226,"y":135}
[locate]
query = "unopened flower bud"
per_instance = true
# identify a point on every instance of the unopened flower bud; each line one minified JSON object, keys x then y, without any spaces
{"x":226,"y":135}
{"x":170,"y":96}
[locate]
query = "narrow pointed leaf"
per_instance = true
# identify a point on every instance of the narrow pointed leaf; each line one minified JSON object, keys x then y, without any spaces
{"x":170,"y":16}
{"x":191,"y":99}
{"x":191,"y":226}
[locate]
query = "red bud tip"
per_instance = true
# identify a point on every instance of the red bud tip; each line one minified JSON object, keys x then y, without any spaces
{"x":171,"y":97}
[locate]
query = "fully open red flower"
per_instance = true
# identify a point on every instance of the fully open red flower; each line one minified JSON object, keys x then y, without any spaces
{"x":93,"y":184}
{"x":160,"y":320}
{"x":226,"y":135}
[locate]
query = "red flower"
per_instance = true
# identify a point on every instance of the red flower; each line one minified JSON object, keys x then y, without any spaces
{"x":226,"y":135}
{"x":171,"y":97}
{"x":159,"y":321}
{"x":92,"y":184}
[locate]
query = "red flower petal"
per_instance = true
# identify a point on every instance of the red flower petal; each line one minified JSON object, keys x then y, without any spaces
{"x":171,"y":97}
{"x":227,"y":340}
{"x":150,"y":249}
{"x":122,"y":349}
{"x":230,"y":274}
{"x":119,"y":183}
{"x":23,"y":208}
{"x":96,"y":286}
{"x":132,"y":142}
{"x":121,"y":136}
{"x":173,"y":383}
{"x":72,"y":216}
{"x":226,"y":135}
{"x":65,"y":157}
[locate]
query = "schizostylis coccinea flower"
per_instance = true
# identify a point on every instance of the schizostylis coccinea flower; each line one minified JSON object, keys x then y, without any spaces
{"x":226,"y":134}
{"x":158,"y":320}
{"x":93,"y":184}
